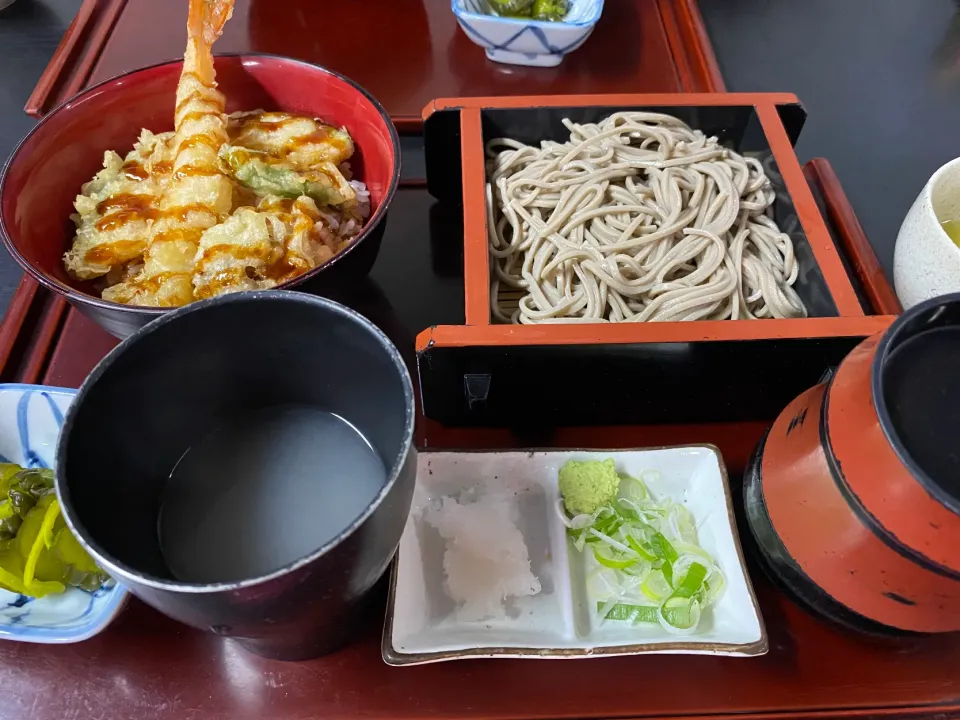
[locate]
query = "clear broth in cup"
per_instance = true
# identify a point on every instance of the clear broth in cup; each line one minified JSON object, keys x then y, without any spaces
{"x":263,"y":491}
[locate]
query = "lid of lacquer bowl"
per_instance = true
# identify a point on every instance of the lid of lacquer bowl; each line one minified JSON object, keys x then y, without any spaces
{"x":893,"y":424}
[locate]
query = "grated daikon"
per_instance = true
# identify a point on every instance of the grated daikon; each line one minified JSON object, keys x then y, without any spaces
{"x":486,"y":560}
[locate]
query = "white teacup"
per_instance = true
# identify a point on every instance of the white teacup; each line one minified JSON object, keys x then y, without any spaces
{"x":926,"y":262}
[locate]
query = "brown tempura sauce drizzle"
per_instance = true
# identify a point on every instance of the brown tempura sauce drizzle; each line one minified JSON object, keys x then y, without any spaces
{"x":238,"y":127}
{"x":118,"y":210}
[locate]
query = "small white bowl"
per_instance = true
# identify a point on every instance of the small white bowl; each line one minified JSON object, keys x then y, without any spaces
{"x":30,"y":421}
{"x":516,"y":41}
{"x":926,"y":262}
{"x":422,"y":625}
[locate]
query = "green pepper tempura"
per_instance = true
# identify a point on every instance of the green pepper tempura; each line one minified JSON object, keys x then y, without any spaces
{"x":644,"y":560}
{"x":38,"y":555}
{"x":257,"y":171}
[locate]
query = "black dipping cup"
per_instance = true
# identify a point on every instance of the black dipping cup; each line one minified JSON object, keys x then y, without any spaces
{"x":168,"y":385}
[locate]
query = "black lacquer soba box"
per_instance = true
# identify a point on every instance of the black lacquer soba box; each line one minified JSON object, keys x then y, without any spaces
{"x":489,"y":372}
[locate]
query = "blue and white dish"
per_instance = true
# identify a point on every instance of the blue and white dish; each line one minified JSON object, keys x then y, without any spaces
{"x":518,"y":41}
{"x":30,"y":420}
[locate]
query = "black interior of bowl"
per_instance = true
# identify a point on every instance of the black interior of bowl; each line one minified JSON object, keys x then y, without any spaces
{"x":163,"y":390}
{"x":916,"y":390}
{"x":737,"y":127}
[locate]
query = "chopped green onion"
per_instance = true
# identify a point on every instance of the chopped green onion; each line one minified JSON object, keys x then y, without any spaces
{"x":645,"y":564}
{"x":663,"y":548}
{"x":636,"y":547}
{"x":692,"y":582}
{"x":630,"y":613}
{"x":613,"y":559}
{"x":678,"y":616}
{"x":656,"y":587}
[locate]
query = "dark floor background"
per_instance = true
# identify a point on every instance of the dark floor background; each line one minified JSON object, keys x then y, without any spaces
{"x":879,"y":78}
{"x":30,"y":31}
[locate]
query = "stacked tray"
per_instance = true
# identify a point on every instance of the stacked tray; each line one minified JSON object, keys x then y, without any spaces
{"x":418,"y":282}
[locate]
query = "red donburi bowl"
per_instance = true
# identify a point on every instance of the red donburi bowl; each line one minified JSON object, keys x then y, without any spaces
{"x":65,"y":150}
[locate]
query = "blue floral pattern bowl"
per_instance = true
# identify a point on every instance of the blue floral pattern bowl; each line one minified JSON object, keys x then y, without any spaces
{"x":30,"y":421}
{"x":518,"y":41}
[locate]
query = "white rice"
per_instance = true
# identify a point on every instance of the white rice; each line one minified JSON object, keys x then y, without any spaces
{"x":363,"y":198}
{"x":343,"y":224}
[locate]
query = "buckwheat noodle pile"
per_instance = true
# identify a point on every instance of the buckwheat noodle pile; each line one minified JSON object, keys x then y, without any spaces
{"x":636,"y":218}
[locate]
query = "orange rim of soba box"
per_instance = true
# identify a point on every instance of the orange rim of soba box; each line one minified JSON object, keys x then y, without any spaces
{"x":478,"y":328}
{"x":829,"y":540}
{"x":891,"y":497}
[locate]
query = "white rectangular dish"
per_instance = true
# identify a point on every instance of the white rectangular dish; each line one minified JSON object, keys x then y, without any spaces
{"x":422,"y":625}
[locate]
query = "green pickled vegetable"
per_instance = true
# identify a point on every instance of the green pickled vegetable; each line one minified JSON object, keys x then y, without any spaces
{"x":254,"y":170}
{"x":20,"y":490}
{"x":511,"y":7}
{"x":38,"y":555}
{"x":9,"y":521}
{"x":7,"y":473}
{"x":550,"y":10}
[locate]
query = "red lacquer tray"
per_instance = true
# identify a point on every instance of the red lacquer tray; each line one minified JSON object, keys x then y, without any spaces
{"x":405,"y":52}
{"x":147,"y":666}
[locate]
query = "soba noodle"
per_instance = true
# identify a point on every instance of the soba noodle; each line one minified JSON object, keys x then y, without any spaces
{"x":636,"y":218}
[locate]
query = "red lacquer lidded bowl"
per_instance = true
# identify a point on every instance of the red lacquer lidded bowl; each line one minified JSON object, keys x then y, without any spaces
{"x":854,"y":496}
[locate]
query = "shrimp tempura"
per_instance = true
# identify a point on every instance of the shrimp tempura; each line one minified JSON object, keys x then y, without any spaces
{"x":199,"y":195}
